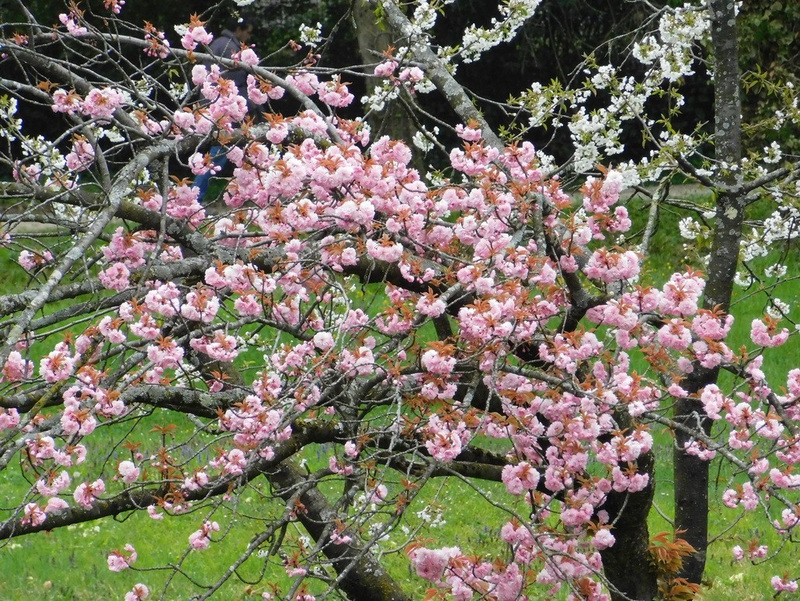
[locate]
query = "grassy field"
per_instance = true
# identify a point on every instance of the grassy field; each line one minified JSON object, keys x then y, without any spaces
{"x":71,"y":563}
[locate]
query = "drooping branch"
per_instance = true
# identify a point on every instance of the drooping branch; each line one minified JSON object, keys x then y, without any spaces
{"x":134,"y":500}
{"x":115,"y":197}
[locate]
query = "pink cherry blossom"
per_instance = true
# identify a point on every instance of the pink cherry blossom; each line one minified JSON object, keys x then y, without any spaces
{"x":247,"y":56}
{"x":115,"y":277}
{"x":66,"y":102}
{"x":783,"y":584}
{"x":609,"y":266}
{"x":200,"y":305}
{"x":306,"y":82}
{"x":165,"y":354}
{"x":412,"y":74}
{"x":520,"y":478}
{"x":138,"y":593}
{"x":436,"y":362}
{"x":55,"y":504}
{"x":220,"y":346}
{"x":386,"y":68}
{"x":16,"y":369}
{"x":101,"y":104}
{"x":33,"y":515}
{"x":53,"y":485}
{"x":82,"y":155}
{"x":767,"y":334}
{"x":128,"y":471}
{"x":470,"y":134}
{"x":58,"y":365}
{"x":119,"y":561}
{"x":323,"y":341}
{"x":9,"y":418}
{"x":86,"y":493}
{"x":334,"y":93}
{"x":72,"y":27}
{"x":195,"y":35}
{"x":32,"y":261}
{"x":430,"y":564}
{"x":201,"y":539}
{"x":404,"y":324}
{"x":603,"y":539}
{"x":681,"y":294}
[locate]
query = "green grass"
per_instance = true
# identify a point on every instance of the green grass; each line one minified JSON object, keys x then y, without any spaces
{"x":724,"y":578}
{"x":71,"y":563}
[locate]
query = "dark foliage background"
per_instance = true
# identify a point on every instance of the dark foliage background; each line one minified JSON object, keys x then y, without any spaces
{"x":547,"y":48}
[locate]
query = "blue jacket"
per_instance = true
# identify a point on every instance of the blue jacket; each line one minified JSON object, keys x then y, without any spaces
{"x":225,"y":46}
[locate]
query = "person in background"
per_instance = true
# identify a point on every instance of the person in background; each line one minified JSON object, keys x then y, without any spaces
{"x":238,"y":31}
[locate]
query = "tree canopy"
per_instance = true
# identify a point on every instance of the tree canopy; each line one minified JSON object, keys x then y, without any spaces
{"x":349,"y":319}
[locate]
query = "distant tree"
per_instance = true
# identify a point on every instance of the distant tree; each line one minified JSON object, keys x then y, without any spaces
{"x":770,"y":55}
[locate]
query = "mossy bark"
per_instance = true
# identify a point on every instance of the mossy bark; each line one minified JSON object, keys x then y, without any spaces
{"x":691,"y":474}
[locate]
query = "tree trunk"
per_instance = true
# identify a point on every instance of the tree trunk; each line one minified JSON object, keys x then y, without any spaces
{"x":374,"y":38}
{"x":364,"y":578}
{"x":692,"y":474}
{"x":627,"y":564}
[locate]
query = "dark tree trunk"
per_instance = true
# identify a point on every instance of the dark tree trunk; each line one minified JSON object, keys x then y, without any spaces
{"x":692,"y":474}
{"x":691,"y":478}
{"x":627,"y":564}
{"x":364,"y":578}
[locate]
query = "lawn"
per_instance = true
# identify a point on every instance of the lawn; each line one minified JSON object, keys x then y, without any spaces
{"x":71,"y":563}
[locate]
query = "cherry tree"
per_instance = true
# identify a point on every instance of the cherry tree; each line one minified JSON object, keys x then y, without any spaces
{"x":487,"y":320}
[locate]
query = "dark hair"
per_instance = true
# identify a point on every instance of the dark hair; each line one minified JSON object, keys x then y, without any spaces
{"x":238,"y":22}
